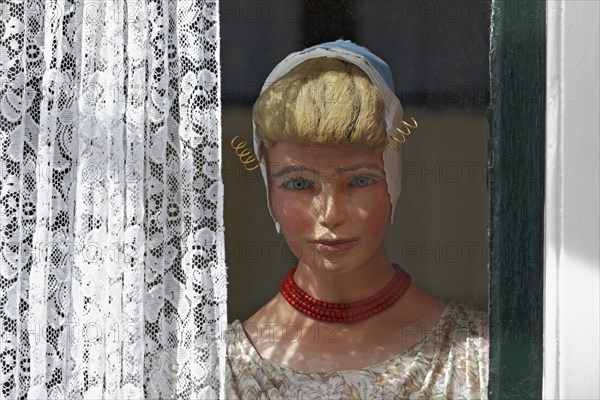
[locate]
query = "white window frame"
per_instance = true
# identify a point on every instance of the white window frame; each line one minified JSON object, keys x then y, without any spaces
{"x":572,"y":266}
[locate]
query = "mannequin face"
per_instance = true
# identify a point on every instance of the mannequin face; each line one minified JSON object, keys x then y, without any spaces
{"x":326,"y":193}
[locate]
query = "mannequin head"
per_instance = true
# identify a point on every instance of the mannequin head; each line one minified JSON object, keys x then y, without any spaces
{"x":327,"y":119}
{"x":332,"y":93}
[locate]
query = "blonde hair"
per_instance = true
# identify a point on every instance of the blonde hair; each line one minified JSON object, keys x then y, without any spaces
{"x":322,"y":101}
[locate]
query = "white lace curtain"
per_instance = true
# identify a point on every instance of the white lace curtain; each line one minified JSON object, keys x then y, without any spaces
{"x":112,"y":276}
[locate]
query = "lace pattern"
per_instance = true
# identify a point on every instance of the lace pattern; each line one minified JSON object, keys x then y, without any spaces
{"x":112,"y":277}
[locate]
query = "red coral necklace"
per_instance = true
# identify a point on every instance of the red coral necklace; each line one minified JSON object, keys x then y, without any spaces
{"x":345,"y":312}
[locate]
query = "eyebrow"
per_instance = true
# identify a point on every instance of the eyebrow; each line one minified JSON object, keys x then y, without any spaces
{"x":361,"y":166}
{"x":354,"y":167}
{"x":293,"y":168}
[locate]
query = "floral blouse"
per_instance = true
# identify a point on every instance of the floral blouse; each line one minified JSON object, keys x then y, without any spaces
{"x":450,"y":362}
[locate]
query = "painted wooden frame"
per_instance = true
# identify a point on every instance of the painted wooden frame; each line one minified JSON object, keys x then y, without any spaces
{"x":516,"y":179}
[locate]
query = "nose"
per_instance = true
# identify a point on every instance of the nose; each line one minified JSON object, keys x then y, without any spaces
{"x":333,"y":208}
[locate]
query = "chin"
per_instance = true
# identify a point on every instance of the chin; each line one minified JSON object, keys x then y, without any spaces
{"x":335,"y":263}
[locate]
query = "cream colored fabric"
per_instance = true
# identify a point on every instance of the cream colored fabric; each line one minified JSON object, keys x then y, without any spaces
{"x":450,"y":362}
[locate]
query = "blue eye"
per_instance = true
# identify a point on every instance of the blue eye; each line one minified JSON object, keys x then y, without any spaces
{"x":362,"y":181}
{"x":297,"y":184}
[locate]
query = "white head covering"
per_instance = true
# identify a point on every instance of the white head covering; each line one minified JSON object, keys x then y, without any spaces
{"x":381,"y":76}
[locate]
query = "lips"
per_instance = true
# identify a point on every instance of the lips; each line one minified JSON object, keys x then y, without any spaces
{"x":333,"y":246}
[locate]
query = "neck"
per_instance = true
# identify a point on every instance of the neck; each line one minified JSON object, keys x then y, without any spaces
{"x":345,"y":285}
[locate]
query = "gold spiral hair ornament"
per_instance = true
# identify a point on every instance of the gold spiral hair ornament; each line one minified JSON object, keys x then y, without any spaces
{"x":396,"y":142}
{"x":244,"y":153}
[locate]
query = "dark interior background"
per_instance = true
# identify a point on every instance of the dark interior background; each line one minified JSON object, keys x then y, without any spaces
{"x":439,"y":55}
